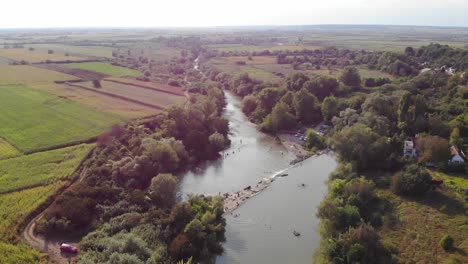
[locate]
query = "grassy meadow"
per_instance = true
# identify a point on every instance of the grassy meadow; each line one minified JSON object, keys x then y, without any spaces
{"x":36,"y":56}
{"x":422,"y":223}
{"x":104,"y":68}
{"x":32,"y":120}
{"x":7,"y":150}
{"x":30,"y":75}
{"x":40,"y":168}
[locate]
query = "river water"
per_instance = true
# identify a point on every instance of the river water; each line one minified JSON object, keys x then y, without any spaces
{"x":262,"y":231}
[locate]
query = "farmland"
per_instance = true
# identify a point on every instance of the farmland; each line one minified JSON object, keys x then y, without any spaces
{"x":139,"y":94}
{"x":33,"y":120}
{"x":156,"y":86}
{"x":36,"y":56}
{"x":41,"y":168}
{"x":29,"y":75}
{"x":7,"y":150}
{"x":98,"y":102}
{"x":86,"y":51}
{"x":14,"y":208}
{"x":104,"y":68}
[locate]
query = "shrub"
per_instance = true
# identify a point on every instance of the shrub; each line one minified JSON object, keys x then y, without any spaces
{"x":97,"y":84}
{"x":446,"y":242}
{"x":314,"y":140}
{"x":413,"y":182}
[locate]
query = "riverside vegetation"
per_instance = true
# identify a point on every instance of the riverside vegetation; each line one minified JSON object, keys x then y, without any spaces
{"x":380,"y":206}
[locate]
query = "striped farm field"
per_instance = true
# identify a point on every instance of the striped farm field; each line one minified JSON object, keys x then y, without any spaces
{"x":34,"y":120}
{"x":7,"y":150}
{"x":138,"y":94}
{"x":151,"y":85}
{"x":98,"y":102}
{"x":37,"y":55}
{"x":104,"y":68}
{"x":40,"y":168}
{"x":29,"y":75}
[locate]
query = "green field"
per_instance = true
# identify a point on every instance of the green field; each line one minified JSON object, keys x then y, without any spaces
{"x":40,"y":168}
{"x":88,"y":51}
{"x":7,"y":150}
{"x":36,"y":56}
{"x":104,"y":68}
{"x":32,"y":120}
{"x":20,"y":253}
{"x":14,"y":208}
{"x":29,"y":75}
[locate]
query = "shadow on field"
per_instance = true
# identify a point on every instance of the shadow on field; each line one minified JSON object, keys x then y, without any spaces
{"x":443,"y":203}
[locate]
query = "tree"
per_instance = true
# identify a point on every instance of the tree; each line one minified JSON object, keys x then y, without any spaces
{"x":330,"y":108}
{"x":163,"y":155}
{"x":409,"y":51}
{"x":217,"y":142}
{"x":278,"y":119}
{"x":163,"y":189}
{"x":307,"y":107}
{"x":314,"y":140}
{"x":432,"y":149}
{"x":249,"y":103}
{"x":350,"y":76}
{"x":296,"y":81}
{"x":97,"y":84}
{"x":267,"y":98}
{"x":360,"y":144}
{"x":322,"y":86}
{"x":414,"y":181}
{"x":50,"y":51}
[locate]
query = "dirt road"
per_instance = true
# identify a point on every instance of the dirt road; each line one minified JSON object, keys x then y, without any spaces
{"x":52,"y":246}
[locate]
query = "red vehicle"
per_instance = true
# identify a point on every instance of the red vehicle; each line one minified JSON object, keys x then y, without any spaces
{"x":64,"y":247}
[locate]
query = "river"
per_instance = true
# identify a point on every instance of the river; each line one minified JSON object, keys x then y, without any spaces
{"x":262,"y":231}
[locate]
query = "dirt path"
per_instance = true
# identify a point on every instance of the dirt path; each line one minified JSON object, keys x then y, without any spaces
{"x":52,"y":246}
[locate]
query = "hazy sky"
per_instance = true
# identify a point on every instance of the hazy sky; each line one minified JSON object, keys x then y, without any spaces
{"x":162,"y":13}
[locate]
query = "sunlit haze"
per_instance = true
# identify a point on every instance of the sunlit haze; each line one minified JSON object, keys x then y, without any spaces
{"x":202,"y":13}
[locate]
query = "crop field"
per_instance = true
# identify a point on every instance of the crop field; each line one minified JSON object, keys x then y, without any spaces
{"x":7,"y":150}
{"x":40,"y":168}
{"x":86,"y":51}
{"x":146,"y":96}
{"x":251,"y":48}
{"x":157,"y":86}
{"x":36,"y":56}
{"x":98,"y":102}
{"x":29,"y":75}
{"x":104,"y":68}
{"x":34,"y":120}
{"x":16,"y":206}
{"x":19,"y":253}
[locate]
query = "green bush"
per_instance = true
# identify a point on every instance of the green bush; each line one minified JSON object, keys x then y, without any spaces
{"x":413,"y":182}
{"x":314,"y":140}
{"x":446,"y":242}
